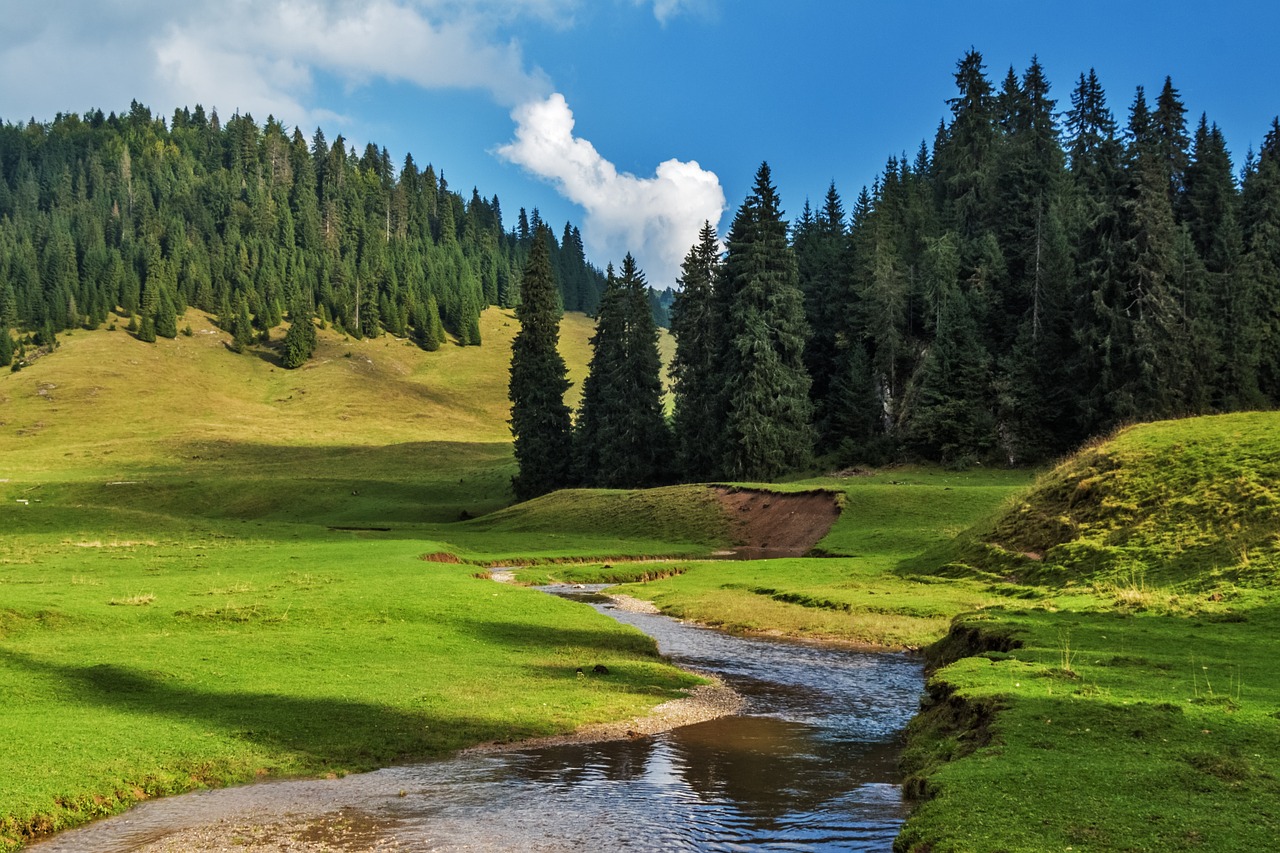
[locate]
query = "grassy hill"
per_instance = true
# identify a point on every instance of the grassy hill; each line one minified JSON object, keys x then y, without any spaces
{"x":1124,"y":695}
{"x":211,"y":569}
{"x":1193,"y":504}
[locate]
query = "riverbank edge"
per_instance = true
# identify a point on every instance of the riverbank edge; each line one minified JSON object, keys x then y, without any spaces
{"x":704,"y":703}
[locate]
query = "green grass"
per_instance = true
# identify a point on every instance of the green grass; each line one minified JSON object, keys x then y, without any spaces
{"x":211,"y":570}
{"x":1139,"y":708}
{"x":144,"y":666}
{"x":859,"y":598}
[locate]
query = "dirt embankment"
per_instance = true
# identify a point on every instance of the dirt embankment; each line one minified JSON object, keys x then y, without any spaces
{"x":777,"y":524}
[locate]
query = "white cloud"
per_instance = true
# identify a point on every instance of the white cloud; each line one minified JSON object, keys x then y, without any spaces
{"x":259,"y":56}
{"x":657,"y":219}
{"x":265,"y":57}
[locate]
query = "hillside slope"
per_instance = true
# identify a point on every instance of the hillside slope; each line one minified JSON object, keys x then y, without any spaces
{"x":1121,"y":692}
{"x":1192,"y":502}
{"x":371,"y":430}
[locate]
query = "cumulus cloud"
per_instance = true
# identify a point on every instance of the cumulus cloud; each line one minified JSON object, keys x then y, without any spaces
{"x":266,"y":56}
{"x":656,"y":218}
{"x":259,"y":56}
{"x":665,"y":10}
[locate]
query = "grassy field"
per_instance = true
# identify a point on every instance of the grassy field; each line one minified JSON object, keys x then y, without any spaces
{"x":853,"y":596}
{"x":1106,"y":680}
{"x":212,"y":570}
{"x":184,"y":600}
{"x":1126,"y":696}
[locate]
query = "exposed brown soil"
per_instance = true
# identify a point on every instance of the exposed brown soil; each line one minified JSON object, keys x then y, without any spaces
{"x":441,"y":557}
{"x":775,"y":524}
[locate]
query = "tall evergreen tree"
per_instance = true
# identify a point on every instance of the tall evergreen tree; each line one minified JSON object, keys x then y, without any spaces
{"x":1259,"y":280}
{"x":300,"y":340}
{"x":6,"y":345}
{"x":767,"y":425}
{"x":822,"y":260}
{"x":622,"y":436}
{"x":695,"y":366}
{"x":950,"y":413}
{"x":1096,"y":188}
{"x":166,"y":318}
{"x":540,"y":423}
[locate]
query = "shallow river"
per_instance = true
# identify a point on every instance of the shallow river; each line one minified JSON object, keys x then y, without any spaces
{"x":808,"y":765}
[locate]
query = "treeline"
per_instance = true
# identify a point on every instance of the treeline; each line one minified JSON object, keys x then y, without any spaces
{"x":743,"y":409}
{"x":1027,"y":281}
{"x":1021,"y":285}
{"x":1036,"y":278}
{"x":130,"y":214}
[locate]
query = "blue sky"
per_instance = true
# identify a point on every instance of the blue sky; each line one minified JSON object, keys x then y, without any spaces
{"x":486,"y":89}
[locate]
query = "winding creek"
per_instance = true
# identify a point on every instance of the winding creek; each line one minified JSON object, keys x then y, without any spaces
{"x":809,"y":764}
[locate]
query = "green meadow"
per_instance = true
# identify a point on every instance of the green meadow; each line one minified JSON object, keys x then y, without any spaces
{"x":211,"y":569}
{"x":1101,"y":641}
{"x":214,"y":570}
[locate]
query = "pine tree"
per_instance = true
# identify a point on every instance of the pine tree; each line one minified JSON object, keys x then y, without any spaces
{"x":1259,"y":278}
{"x":540,"y":422}
{"x":767,"y":426}
{"x":300,"y":340}
{"x":6,"y":345}
{"x":1153,"y":364}
{"x":1096,"y":187}
{"x":241,"y":329}
{"x":950,"y":415}
{"x":822,"y":249}
{"x":147,"y":329}
{"x":1221,"y":312}
{"x":695,"y":367}
{"x":166,"y":319}
{"x":622,"y":436}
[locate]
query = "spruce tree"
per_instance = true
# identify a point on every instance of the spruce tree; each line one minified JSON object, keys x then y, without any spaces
{"x":695,"y":366}
{"x":1096,"y":188}
{"x":166,"y":322}
{"x":1259,"y":278}
{"x":540,"y":423}
{"x":622,"y":436}
{"x":950,"y":416}
{"x":822,"y":250}
{"x":300,"y":340}
{"x":6,"y":346}
{"x":1221,"y":313}
{"x":767,"y":426}
{"x":241,"y":329}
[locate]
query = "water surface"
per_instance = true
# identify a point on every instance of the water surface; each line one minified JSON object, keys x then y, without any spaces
{"x":809,"y":765}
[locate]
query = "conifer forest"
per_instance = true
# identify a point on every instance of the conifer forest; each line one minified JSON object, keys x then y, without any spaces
{"x":132,"y":214}
{"x":1044,"y":269}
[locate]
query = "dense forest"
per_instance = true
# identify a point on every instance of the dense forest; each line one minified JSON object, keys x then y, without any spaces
{"x":1032,"y":277}
{"x":1029,"y":280}
{"x":131,"y":214}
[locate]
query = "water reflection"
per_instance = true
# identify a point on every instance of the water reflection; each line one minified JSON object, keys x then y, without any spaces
{"x":810,"y":766}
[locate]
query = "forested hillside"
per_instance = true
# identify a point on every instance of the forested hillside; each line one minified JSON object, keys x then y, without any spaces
{"x":1035,"y":276}
{"x":128,"y":212}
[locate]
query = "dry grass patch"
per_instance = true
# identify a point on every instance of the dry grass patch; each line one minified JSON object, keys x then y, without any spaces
{"x":141,"y":600}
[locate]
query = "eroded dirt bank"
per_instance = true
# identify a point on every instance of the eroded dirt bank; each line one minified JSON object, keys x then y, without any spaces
{"x":777,"y":524}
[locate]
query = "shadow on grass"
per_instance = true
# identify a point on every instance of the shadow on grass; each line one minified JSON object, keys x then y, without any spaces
{"x":604,"y":642}
{"x":399,"y":485}
{"x":318,"y":732}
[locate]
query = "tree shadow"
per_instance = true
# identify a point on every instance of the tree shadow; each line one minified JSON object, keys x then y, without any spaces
{"x":322,"y":732}
{"x":603,"y":642}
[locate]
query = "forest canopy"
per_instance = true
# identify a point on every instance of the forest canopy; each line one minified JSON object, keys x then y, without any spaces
{"x":136,"y":215}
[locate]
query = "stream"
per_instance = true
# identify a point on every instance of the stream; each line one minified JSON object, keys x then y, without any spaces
{"x":808,"y":765}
